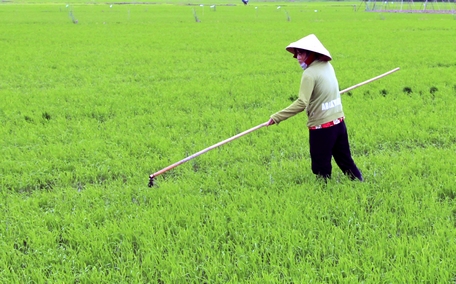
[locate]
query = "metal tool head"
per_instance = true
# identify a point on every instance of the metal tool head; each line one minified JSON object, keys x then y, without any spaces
{"x":151,"y":180}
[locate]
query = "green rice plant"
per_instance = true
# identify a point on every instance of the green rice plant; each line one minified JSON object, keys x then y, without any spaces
{"x":88,"y":111}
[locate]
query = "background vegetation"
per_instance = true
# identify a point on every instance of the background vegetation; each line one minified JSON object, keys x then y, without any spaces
{"x":89,"y":110}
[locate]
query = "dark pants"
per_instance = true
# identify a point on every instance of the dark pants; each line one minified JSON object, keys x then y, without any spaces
{"x":326,"y":143}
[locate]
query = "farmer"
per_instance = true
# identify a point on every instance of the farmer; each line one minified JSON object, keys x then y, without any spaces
{"x":319,"y":96}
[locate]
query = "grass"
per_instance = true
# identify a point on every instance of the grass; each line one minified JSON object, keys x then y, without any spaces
{"x":89,"y":110}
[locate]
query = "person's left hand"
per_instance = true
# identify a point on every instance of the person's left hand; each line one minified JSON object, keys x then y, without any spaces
{"x":270,"y":122}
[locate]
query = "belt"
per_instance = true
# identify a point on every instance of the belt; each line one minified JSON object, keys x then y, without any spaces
{"x":328,"y":124}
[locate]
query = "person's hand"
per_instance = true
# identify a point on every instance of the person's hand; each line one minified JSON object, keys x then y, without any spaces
{"x":270,"y":122}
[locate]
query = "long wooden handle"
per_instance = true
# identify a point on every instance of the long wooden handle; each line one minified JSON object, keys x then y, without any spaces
{"x":368,"y":81}
{"x":208,"y":149}
{"x":152,"y":176}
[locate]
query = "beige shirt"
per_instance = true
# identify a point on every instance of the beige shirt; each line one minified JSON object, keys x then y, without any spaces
{"x":319,"y":95}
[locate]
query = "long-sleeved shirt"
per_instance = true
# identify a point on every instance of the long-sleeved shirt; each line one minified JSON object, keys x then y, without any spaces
{"x":319,"y":95}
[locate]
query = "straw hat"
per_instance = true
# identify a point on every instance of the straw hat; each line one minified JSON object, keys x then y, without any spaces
{"x":310,"y":43}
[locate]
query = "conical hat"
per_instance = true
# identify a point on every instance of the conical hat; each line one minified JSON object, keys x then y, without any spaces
{"x":310,"y":43}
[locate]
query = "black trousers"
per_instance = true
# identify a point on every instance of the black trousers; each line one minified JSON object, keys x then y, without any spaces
{"x":326,"y":143}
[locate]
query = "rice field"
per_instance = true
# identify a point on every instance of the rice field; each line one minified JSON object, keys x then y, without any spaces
{"x":95,"y":97}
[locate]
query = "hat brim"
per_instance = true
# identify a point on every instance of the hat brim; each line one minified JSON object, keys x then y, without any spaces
{"x":323,"y":57}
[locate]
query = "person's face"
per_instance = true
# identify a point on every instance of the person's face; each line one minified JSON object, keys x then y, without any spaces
{"x":301,"y":55}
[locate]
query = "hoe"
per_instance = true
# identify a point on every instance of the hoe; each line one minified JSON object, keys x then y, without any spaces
{"x":154,"y":175}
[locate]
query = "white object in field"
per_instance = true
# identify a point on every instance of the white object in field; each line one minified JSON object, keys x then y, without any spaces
{"x":110,"y":6}
{"x":278,"y":7}
{"x":316,"y":11}
{"x":201,"y":5}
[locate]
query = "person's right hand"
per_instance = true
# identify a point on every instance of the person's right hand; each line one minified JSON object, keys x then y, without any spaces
{"x":270,"y":122}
